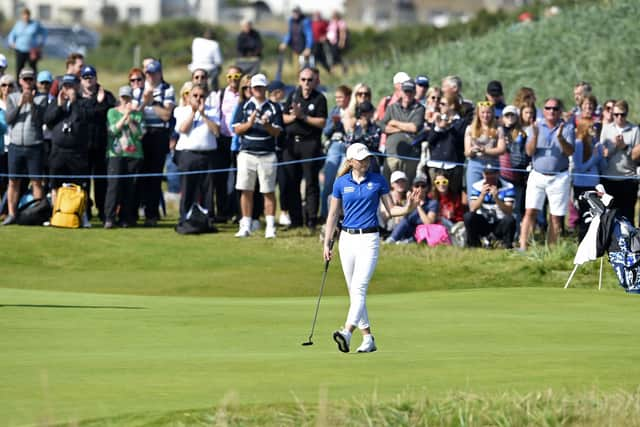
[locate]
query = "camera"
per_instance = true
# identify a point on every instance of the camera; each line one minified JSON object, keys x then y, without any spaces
{"x":443,"y":117}
{"x":66,"y":128}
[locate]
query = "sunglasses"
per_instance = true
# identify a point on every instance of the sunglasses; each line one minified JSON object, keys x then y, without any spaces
{"x":619,"y":114}
{"x":87,"y":77}
{"x":234,"y":76}
{"x":485,"y":104}
{"x":420,"y":185}
{"x":133,"y":80}
{"x":433,"y":97}
{"x":199,"y":77}
{"x":27,"y":79}
{"x":5,"y":85}
{"x":608,"y":108}
{"x":310,"y":79}
{"x":363,"y":94}
{"x":509,"y":114}
{"x":550,"y":108}
{"x":197,"y":96}
{"x":443,"y":181}
{"x":186,"y":93}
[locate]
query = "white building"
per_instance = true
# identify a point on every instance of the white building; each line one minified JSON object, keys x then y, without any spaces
{"x":132,"y":11}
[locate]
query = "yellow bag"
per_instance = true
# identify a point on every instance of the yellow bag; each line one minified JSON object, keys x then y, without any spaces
{"x":69,"y":207}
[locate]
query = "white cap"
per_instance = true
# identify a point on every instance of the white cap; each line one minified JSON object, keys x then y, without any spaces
{"x":511,"y":109}
{"x":3,"y":61}
{"x":358,"y":151}
{"x":397,"y":175}
{"x":401,"y":77}
{"x":259,"y":80}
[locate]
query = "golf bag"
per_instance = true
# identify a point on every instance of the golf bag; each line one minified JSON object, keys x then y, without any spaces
{"x":616,"y":236}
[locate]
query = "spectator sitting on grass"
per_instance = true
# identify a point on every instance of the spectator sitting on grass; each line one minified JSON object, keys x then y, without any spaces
{"x":490,"y":211}
{"x":399,"y":186}
{"x":420,"y":210}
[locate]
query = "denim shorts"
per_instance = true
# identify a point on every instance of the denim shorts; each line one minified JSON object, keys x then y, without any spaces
{"x":25,"y":160}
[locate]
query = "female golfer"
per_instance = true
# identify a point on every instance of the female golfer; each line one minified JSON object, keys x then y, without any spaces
{"x":358,"y":192}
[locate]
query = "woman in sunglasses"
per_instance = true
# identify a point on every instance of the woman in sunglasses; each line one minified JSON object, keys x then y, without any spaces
{"x":361,"y":92}
{"x":136,"y":81}
{"x":621,"y":142}
{"x":450,"y":208}
{"x":482,"y":146}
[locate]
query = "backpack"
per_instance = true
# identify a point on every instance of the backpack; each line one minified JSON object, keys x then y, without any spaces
{"x":71,"y":202}
{"x":34,"y":212}
{"x":196,"y":222}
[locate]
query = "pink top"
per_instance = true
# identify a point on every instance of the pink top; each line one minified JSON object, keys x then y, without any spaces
{"x":229,"y":103}
{"x":334,"y":28}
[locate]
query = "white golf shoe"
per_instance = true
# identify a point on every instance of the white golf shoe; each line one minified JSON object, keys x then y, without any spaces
{"x":368,"y":345}
{"x":342,"y":338}
{"x":243,"y":232}
{"x":270,"y":232}
{"x":284,"y":219}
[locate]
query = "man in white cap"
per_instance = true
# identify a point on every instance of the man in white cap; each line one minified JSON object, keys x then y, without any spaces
{"x":258,"y":123}
{"x":399,"y":78}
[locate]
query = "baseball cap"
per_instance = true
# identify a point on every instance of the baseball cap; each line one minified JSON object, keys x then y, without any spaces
{"x":88,"y":70}
{"x":70,"y":79}
{"x":3,"y":61}
{"x":275,"y":85}
{"x":401,"y":77}
{"x":25,"y":73}
{"x":259,"y":80}
{"x":420,"y":179}
{"x":409,"y":85}
{"x":7,"y":79}
{"x":125,"y":91}
{"x":358,"y":151}
{"x":422,"y":81}
{"x":494,"y":88}
{"x":398,"y":175}
{"x":511,"y":109}
{"x":44,"y":76}
{"x":153,"y":67}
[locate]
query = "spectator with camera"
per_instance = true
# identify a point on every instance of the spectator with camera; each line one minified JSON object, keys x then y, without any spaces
{"x":25,"y":112}
{"x":124,"y":156}
{"x":68,"y":119}
{"x":490,"y":211}
{"x":335,"y":133}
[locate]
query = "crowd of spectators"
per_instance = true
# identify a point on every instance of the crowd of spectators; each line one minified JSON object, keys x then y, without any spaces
{"x":490,"y":171}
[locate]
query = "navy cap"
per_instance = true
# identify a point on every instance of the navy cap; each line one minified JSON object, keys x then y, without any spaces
{"x":88,"y":70}
{"x":153,"y":67}
{"x":409,"y":86}
{"x":494,"y":88}
{"x":422,"y":81}
{"x":71,"y":79}
{"x":489,"y":168}
{"x":276,"y":85}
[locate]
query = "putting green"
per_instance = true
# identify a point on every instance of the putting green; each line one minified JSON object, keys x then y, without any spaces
{"x":71,"y":356}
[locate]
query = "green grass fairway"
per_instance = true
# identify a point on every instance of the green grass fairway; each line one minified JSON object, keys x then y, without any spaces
{"x":73,"y":356}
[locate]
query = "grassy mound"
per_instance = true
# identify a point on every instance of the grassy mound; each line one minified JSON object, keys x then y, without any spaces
{"x":582,"y":43}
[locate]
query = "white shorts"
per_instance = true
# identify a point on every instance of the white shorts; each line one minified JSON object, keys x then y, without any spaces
{"x":251,"y":167}
{"x":556,"y":187}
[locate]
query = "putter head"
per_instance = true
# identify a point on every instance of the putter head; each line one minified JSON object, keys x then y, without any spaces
{"x":306,"y":343}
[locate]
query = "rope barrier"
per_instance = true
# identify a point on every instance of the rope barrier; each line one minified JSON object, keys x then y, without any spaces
{"x":290,"y":162}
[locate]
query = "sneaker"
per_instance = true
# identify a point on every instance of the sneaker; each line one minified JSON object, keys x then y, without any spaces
{"x":270,"y":233}
{"x":284,"y":219}
{"x":85,"y":221}
{"x":243,"y":232}
{"x":108,"y":224}
{"x":10,"y":219}
{"x":342,"y":338}
{"x":367,"y":346}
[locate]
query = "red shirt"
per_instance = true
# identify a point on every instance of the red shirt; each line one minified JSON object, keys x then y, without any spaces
{"x":451,"y":208}
{"x":319,"y":29}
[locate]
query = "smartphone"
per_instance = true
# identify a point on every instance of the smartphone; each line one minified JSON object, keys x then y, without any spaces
{"x":491,"y":179}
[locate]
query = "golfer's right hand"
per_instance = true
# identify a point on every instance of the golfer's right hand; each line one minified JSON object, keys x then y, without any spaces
{"x":327,"y":253}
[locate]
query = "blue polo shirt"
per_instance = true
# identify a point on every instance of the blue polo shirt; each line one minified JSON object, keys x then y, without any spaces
{"x":360,"y":201}
{"x":548,"y":157}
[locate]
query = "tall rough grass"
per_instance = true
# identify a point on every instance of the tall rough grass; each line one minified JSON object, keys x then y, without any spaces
{"x":547,"y":408}
{"x":594,"y":42}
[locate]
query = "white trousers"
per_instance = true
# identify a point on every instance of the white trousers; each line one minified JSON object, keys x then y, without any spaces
{"x":359,"y":256}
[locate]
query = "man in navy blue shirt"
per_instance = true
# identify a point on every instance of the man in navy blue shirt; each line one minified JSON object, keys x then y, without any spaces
{"x":258,"y":123}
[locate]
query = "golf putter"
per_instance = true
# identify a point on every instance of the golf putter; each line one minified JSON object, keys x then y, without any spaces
{"x":324,"y":278}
